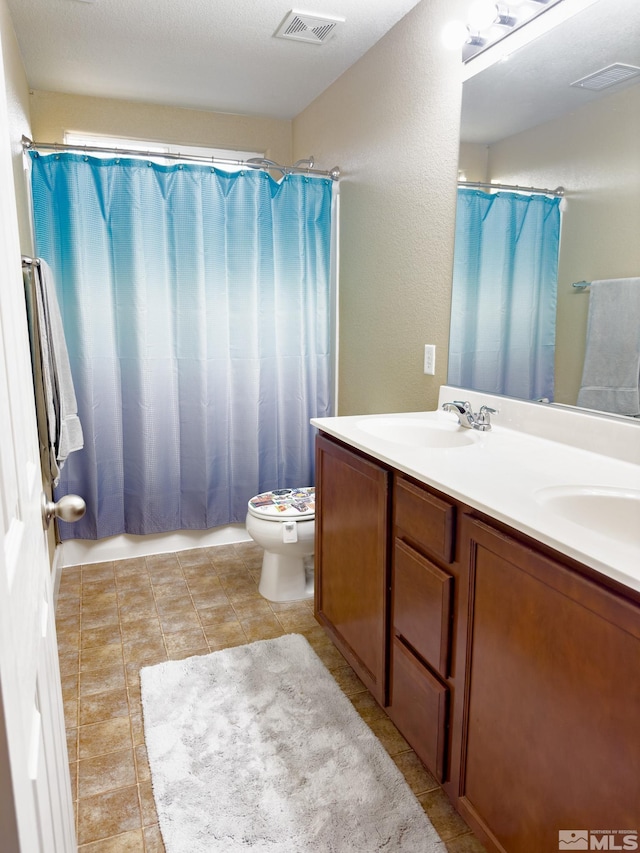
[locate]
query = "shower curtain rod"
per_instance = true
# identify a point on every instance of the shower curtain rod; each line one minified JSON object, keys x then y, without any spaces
{"x":301,"y":167}
{"x":559,"y":191}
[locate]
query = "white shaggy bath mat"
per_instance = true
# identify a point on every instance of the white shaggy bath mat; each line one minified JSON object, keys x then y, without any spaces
{"x":257,"y":748}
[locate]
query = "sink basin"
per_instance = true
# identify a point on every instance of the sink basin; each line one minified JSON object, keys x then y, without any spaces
{"x":610,"y":511}
{"x":414,"y":432}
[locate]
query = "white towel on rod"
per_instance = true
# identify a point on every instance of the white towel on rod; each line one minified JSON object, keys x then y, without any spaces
{"x":65,"y":430}
{"x":611,"y":373}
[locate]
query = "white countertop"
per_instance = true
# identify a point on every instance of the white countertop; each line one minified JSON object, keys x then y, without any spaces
{"x":500,"y":471}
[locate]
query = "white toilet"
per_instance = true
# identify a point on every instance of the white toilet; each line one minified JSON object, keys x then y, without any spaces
{"x":283,"y":523}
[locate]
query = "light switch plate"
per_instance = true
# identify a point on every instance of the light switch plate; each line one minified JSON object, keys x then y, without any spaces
{"x":430,"y":359}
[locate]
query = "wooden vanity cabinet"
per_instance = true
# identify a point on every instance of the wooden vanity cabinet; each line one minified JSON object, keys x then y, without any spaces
{"x":352,"y":559}
{"x":513,"y":671}
{"x":550,"y":714}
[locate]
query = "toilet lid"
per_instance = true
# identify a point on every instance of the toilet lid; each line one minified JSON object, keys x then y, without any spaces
{"x":285,"y":503}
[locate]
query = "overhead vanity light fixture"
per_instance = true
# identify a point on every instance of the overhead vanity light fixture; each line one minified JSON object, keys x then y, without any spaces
{"x":489,"y":22}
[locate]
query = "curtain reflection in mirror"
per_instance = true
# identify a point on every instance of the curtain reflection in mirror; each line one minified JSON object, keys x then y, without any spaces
{"x":503,"y":311}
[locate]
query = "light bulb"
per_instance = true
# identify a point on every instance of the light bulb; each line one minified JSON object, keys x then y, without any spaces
{"x":454,"y":35}
{"x":482,"y":13}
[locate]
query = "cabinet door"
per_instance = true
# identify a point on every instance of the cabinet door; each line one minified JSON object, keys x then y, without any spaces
{"x":552,"y":705}
{"x":352,"y":573}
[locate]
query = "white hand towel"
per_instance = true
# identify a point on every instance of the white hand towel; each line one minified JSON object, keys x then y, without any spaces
{"x":65,"y":430}
{"x":611,"y":373}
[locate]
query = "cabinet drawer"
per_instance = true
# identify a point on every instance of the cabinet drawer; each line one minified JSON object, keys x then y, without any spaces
{"x":419,"y":708}
{"x":422,"y":596}
{"x":427,"y":519}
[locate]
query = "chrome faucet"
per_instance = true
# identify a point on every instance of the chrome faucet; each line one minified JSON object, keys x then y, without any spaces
{"x":466,"y":416}
{"x":464,"y":412}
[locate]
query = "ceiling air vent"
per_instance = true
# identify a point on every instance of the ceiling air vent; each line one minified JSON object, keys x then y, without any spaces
{"x":299,"y":26}
{"x":608,"y":76}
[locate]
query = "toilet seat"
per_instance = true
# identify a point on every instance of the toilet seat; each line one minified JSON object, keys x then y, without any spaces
{"x":281,"y":504}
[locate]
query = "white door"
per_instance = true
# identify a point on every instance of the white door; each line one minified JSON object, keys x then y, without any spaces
{"x":36,"y":813}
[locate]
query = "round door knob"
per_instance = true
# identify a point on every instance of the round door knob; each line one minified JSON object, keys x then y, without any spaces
{"x":68,"y":508}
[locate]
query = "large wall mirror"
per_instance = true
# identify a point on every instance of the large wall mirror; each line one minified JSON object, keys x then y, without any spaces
{"x":524,"y":124}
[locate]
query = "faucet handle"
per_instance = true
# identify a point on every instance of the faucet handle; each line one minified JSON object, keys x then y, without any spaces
{"x":484,"y":418}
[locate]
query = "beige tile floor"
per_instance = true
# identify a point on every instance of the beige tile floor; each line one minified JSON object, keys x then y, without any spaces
{"x":112,"y":618}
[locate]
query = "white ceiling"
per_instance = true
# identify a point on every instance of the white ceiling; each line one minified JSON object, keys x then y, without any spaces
{"x":222,"y":55}
{"x":203,"y":54}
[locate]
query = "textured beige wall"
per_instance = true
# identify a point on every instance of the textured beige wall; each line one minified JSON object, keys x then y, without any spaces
{"x":19,"y":123}
{"x":391,"y":123}
{"x":474,"y":161}
{"x":53,"y":113}
{"x":594,"y":153}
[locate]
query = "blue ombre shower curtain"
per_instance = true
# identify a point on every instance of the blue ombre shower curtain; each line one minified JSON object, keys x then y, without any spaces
{"x":196,"y":306}
{"x":503,"y":307}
